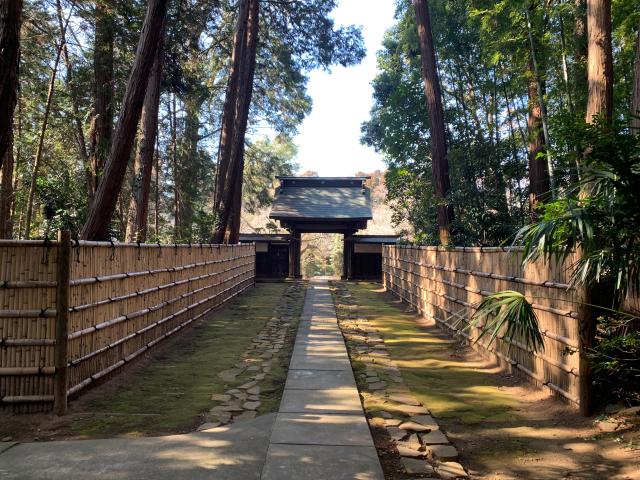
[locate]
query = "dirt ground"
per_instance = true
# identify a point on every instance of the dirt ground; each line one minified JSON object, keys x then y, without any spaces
{"x":502,"y":427}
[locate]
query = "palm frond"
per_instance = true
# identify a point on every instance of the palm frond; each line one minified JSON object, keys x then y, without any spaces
{"x":509,"y":312}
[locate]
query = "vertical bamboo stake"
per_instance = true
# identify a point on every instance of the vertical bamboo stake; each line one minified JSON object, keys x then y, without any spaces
{"x":62,"y":321}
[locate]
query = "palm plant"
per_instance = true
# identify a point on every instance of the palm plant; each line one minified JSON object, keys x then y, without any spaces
{"x":599,"y":217}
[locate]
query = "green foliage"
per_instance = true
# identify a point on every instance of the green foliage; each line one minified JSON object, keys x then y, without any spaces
{"x":508,"y":314}
{"x":599,"y":215}
{"x":615,"y":359}
{"x":265,"y":160}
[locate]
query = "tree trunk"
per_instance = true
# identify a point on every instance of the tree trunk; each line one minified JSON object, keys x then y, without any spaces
{"x":600,"y":60}
{"x":6,"y":194}
{"x":599,"y":103}
{"x":534,"y":68}
{"x":232,"y":189}
{"x":177,"y":229}
{"x":440,"y":163}
{"x":97,"y":225}
{"x":10,"y":20}
{"x":228,"y":115}
{"x":580,"y":57}
{"x":139,"y":204}
{"x":539,"y":184}
{"x":38,"y":158}
{"x":635,"y":96}
{"x":103,"y":87}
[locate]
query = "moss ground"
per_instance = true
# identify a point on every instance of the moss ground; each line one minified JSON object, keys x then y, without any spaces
{"x":170,"y":389}
{"x":502,"y":427}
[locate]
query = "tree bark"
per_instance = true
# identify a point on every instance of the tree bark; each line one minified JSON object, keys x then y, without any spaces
{"x":236,"y":207}
{"x":6,"y":194}
{"x":539,"y":183}
{"x":635,"y":96}
{"x":97,"y":225}
{"x":103,"y":88}
{"x":600,"y":60}
{"x":440,"y":163}
{"x":580,"y":57}
{"x":10,"y":21}
{"x":232,"y":189}
{"x":228,"y":115}
{"x":139,"y":204}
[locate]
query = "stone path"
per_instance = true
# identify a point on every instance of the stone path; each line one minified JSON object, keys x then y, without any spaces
{"x":245,"y":381}
{"x":422,"y":446}
{"x":320,"y":431}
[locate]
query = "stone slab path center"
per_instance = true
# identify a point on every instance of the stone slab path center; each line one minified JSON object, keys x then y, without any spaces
{"x":320,"y":431}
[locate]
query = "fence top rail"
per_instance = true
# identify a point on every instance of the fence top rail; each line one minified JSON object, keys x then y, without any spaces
{"x":116,"y":244}
{"x":458,"y":249}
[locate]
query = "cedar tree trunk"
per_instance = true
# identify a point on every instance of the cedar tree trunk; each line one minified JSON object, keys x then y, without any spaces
{"x":539,"y":182}
{"x":97,"y":225}
{"x":600,"y":60}
{"x":139,"y":204}
{"x":232,"y":190}
{"x":440,"y":163}
{"x":10,"y":20}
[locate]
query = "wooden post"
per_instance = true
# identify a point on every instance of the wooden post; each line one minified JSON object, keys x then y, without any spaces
{"x":62,"y":321}
{"x":586,"y":335}
{"x":294,"y":254}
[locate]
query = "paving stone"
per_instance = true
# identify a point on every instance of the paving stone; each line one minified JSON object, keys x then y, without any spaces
{"x":443,"y":452}
{"x":426,"y":421}
{"x":392,"y":422}
{"x":414,"y":427}
{"x":248,"y":385}
{"x":220,"y":397}
{"x":253,"y":391}
{"x":406,"y":451}
{"x":405,"y":399}
{"x":415,"y":466}
{"x":321,"y":429}
{"x":208,"y":426}
{"x":229,"y":375}
{"x":409,"y":409}
{"x":253,"y":398}
{"x":244,"y":416}
{"x":396,"y":433}
{"x":451,"y":470}
{"x":251,"y":405}
{"x":434,"y":438}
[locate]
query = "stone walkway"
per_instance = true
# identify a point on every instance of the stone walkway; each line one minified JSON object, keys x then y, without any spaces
{"x":320,"y":431}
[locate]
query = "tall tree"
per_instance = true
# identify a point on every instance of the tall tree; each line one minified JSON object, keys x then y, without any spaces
{"x":10,"y":21}
{"x":103,"y":91}
{"x":635,"y":94}
{"x":245,"y":93}
{"x":539,"y":184}
{"x":6,"y":193}
{"x":440,"y":163}
{"x":600,"y":60}
{"x":229,"y":118}
{"x":143,"y":167}
{"x":103,"y":207}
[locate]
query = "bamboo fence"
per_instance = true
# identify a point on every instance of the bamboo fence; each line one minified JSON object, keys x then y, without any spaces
{"x":447,"y":284}
{"x":115,"y":301}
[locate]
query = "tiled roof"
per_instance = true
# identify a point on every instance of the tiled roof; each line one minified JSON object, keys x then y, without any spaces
{"x":322,"y":198}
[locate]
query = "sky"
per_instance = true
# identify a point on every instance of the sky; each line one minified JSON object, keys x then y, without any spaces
{"x":329,"y":138}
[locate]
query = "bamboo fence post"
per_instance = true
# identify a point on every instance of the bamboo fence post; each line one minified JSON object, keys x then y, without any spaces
{"x":62,"y":321}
